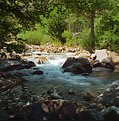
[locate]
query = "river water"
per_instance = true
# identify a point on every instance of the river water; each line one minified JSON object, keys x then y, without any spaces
{"x":54,"y":77}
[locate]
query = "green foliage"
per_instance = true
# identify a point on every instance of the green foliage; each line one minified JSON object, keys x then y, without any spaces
{"x":36,"y":37}
{"x":84,"y":39}
{"x":70,"y":39}
{"x":67,"y":35}
{"x":88,"y":9}
{"x":56,"y":42}
{"x":55,"y":23}
{"x":108,"y":29}
{"x":18,"y":46}
{"x":70,"y":22}
{"x":19,"y":15}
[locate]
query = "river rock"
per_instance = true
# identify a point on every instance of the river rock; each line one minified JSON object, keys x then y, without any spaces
{"x":19,"y":117}
{"x":91,"y":115}
{"x":3,"y":115}
{"x":102,"y":70}
{"x":114,"y":56}
{"x":60,"y":109}
{"x":84,"y":55}
{"x":111,"y":113}
{"x":6,"y":63}
{"x":42,"y":60}
{"x":110,"y":97}
{"x":116,"y":68}
{"x":12,"y":65}
{"x":77,"y":65}
{"x":55,"y":95}
{"x":101,"y":54}
{"x":27,"y":65}
{"x":107,"y":63}
{"x":37,"y":72}
{"x":36,"y":113}
{"x":97,"y":64}
{"x":87,"y":96}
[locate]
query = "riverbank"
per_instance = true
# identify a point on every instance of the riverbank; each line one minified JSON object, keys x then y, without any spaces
{"x":19,"y":103}
{"x":55,"y":101}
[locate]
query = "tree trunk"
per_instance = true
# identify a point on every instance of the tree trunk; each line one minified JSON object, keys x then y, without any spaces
{"x":92,"y":32}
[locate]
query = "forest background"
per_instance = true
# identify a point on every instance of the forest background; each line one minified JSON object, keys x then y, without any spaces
{"x":89,"y":24}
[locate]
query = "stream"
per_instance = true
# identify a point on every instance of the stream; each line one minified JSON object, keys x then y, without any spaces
{"x":53,"y":76}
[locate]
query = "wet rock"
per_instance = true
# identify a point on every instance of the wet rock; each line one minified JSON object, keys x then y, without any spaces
{"x":87,"y":96}
{"x":37,"y":113}
{"x":110,"y":97}
{"x":116,"y":67}
{"x":3,"y":115}
{"x":27,"y":65}
{"x":14,"y":99}
{"x":60,"y":109}
{"x":9,"y":84}
{"x":8,"y":65}
{"x":111,"y":113}
{"x":77,"y":65}
{"x":55,"y":95}
{"x":42,"y":60}
{"x":10,"y":68}
{"x":18,"y":66}
{"x":38,"y":72}
{"x":51,"y":90}
{"x":102,"y":70}
{"x":71,"y":92}
{"x":19,"y":117}
{"x":97,"y":64}
{"x":107,"y":62}
{"x":91,"y":115}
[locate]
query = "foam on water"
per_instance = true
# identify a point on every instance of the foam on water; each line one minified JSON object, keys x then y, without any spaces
{"x":54,"y":73}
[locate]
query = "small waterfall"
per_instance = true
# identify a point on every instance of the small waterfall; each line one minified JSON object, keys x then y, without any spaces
{"x":53,"y":73}
{"x":54,"y":76}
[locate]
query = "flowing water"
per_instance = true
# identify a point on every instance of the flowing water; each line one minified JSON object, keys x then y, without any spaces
{"x":54,"y":77}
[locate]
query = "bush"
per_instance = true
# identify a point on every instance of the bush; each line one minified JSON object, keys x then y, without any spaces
{"x":17,"y":46}
{"x":36,"y":37}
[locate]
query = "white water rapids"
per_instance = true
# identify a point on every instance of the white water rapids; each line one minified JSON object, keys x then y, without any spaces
{"x":54,"y":76}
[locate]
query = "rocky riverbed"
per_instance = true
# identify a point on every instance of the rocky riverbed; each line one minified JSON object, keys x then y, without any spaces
{"x":18,"y":102}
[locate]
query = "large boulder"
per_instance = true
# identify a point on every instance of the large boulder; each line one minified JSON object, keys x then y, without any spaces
{"x":101,"y":54}
{"x":91,"y":115}
{"x":114,"y":56}
{"x":3,"y":115}
{"x":115,"y":59}
{"x":4,"y":63}
{"x":77,"y":65}
{"x":38,"y":72}
{"x":111,"y":113}
{"x":51,"y":110}
{"x":62,"y":109}
{"x":10,"y":65}
{"x":107,"y":63}
{"x":36,"y":113}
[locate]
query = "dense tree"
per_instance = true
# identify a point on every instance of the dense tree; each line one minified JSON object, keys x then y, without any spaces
{"x":108,"y":28}
{"x":86,"y":22}
{"x":16,"y":15}
{"x":89,"y":9}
